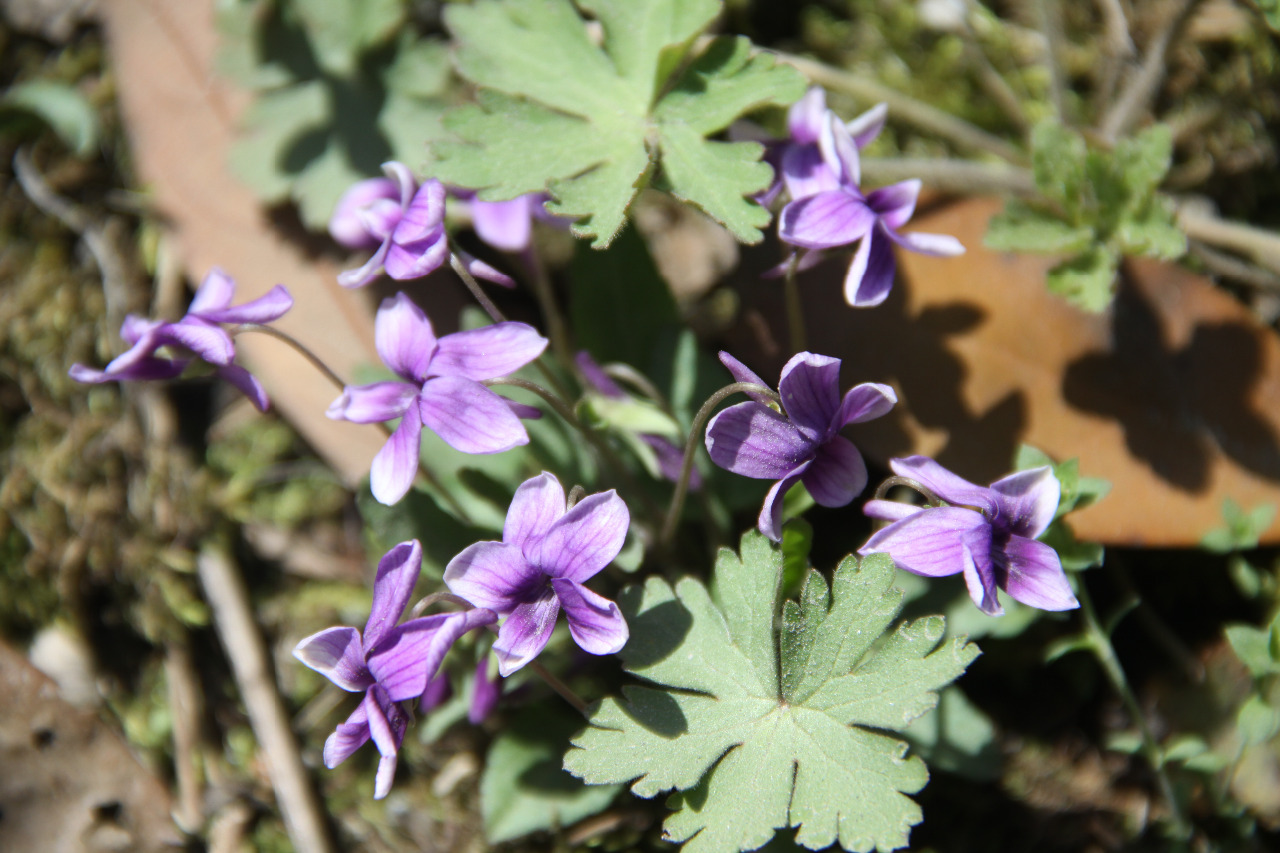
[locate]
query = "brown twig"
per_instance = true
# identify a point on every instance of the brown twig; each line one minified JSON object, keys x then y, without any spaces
{"x":250,"y":664}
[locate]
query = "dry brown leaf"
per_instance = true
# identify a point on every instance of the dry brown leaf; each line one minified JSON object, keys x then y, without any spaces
{"x":69,"y":783}
{"x":181,"y":119}
{"x":1173,"y":394}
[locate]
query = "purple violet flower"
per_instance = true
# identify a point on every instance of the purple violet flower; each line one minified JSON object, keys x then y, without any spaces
{"x":508,"y":225}
{"x":199,"y":332}
{"x":989,"y":534}
{"x":800,"y":165}
{"x":486,"y":690}
{"x":832,"y":211}
{"x":804,"y":444}
{"x":539,"y":567}
{"x":390,"y":663}
{"x":668,"y":455}
{"x":441,"y":390}
{"x":405,"y":222}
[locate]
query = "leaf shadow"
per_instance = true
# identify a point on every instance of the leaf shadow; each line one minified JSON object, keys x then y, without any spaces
{"x":1176,"y":405}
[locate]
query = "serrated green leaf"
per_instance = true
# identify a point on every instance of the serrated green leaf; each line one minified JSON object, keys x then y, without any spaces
{"x":589,"y":124}
{"x":1058,"y":156}
{"x":1022,"y":228}
{"x":1087,"y":281}
{"x":523,"y":788}
{"x":1153,"y":233}
{"x":749,"y":750}
{"x":1143,"y":160}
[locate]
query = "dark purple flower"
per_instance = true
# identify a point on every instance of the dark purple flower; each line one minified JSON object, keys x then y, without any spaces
{"x":441,"y":390}
{"x":199,"y":332}
{"x":826,"y":215}
{"x":486,"y":690}
{"x":667,"y":455}
{"x":539,"y":567}
{"x":804,"y":444}
{"x":389,"y":663}
{"x":405,"y":222}
{"x":989,"y":534}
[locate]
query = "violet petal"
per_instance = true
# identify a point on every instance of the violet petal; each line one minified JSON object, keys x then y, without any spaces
{"x":247,"y":383}
{"x":403,"y":178}
{"x":840,"y":151}
{"x":585,"y":539}
{"x":867,"y":126}
{"x":895,"y":203}
{"x":866,"y":402}
{"x":770,"y":520}
{"x":469,"y":417}
{"x":404,"y":338}
{"x":505,"y":225}
{"x":742,"y":373}
{"x":1028,"y":500}
{"x":368,"y":271}
{"x":345,"y":225}
{"x":937,"y":245}
{"x":486,"y":690}
{"x":805,"y":117}
{"x":825,"y":220}
{"x":871,"y":274}
{"x":347,"y":737}
{"x":424,"y":216}
{"x":755,"y":441}
{"x":482,"y":270}
{"x":806,"y":173}
{"x":411,"y":653}
{"x":929,"y":542}
{"x":837,"y":474}
{"x":398,"y":572}
{"x":272,"y":305}
{"x":491,"y":575}
{"x":395,"y":466}
{"x":595,"y":622}
{"x":207,"y":341}
{"x":407,"y":261}
{"x":980,"y":581}
{"x":525,"y":632}
{"x":810,"y":392}
{"x":943,"y":483}
{"x":537,"y":503}
{"x":373,"y":404}
{"x":214,"y":293}
{"x":883,"y":510}
{"x":338,"y":655}
{"x":488,"y":352}
{"x":1036,"y":577}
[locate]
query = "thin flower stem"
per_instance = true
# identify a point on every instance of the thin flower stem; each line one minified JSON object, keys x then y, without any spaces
{"x":474,"y":286}
{"x":691,"y":445}
{"x":576,"y":494}
{"x":436,"y":598}
{"x":566,"y":692}
{"x":602,"y":447}
{"x":961,"y":177}
{"x":895,"y":481}
{"x":556,"y":329}
{"x":297,"y":346}
{"x":1100,"y":644}
{"x":795,"y":306}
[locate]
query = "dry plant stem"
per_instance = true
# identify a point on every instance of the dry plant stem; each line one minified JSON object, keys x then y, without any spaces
{"x":990,"y":78}
{"x":795,"y":306}
{"x":185,"y":704}
{"x":960,"y":177}
{"x":691,"y":446}
{"x":1141,"y":89}
{"x":1100,"y":645}
{"x":906,"y":109}
{"x":250,"y":664}
{"x":1049,"y":20}
{"x":297,"y":346}
{"x":1229,"y":266}
{"x":1263,"y":247}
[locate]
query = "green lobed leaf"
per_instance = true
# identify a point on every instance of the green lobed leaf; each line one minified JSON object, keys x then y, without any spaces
{"x":58,"y":105}
{"x":1253,"y":648}
{"x":1257,"y":721}
{"x":1153,"y":233}
{"x":1058,"y":158}
{"x":1022,"y":228}
{"x":751,"y":747}
{"x":1087,"y":280}
{"x":523,"y":788}
{"x":589,"y":124}
{"x":1143,"y":160}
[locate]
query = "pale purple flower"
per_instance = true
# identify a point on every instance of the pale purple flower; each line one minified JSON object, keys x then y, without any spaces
{"x":508,"y":225}
{"x":801,"y":166}
{"x":802,"y":444}
{"x":199,"y":332}
{"x":833,"y":211}
{"x":440,"y":390}
{"x":389,"y":663}
{"x":668,"y":455}
{"x":539,"y":567}
{"x":988,"y":534}
{"x":405,"y":222}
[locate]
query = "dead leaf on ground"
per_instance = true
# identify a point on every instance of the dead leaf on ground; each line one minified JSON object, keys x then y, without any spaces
{"x":69,"y":783}
{"x":1173,"y":394}
{"x":181,"y":119}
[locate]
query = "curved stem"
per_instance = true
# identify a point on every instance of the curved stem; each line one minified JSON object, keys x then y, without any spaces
{"x":556,"y":329}
{"x":553,"y":400}
{"x":297,"y":346}
{"x":474,"y":286}
{"x":1105,"y":653}
{"x":436,"y":598}
{"x":566,"y":692}
{"x":895,"y":481}
{"x":691,"y":445}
